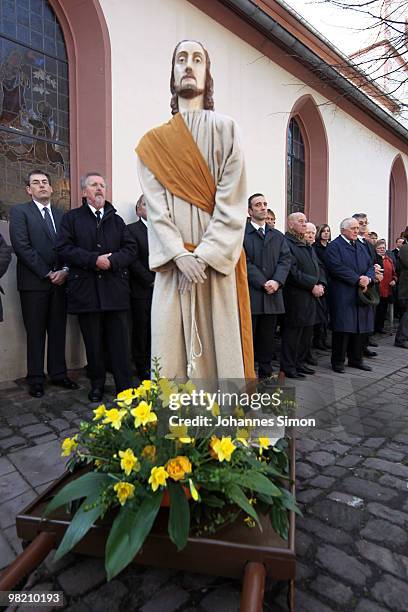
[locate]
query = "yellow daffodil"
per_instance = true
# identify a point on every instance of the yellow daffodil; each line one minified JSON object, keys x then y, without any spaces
{"x":124,"y":491}
{"x":128,"y":461}
{"x":98,"y":463}
{"x":193,"y":490}
{"x":68,"y":446}
{"x":238,"y":412}
{"x":125,"y":398}
{"x":158,"y":477}
{"x":243,"y":436}
{"x":149,"y":452}
{"x":222,"y":449}
{"x":143,"y":414}
{"x":215,"y":410}
{"x":99,"y":412}
{"x":180,"y":433}
{"x":249,"y":522}
{"x":263,"y":443}
{"x":167,"y":388}
{"x":188,"y":387}
{"x":114,"y":417}
{"x":149,"y":385}
{"x":178,"y":467}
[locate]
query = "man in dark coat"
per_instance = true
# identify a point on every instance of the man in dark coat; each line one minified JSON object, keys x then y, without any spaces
{"x":98,"y":247}
{"x":141,"y":287}
{"x":41,"y":277}
{"x":350,"y":267}
{"x":302,"y":288}
{"x":268,"y":263}
{"x":401,"y":337}
{"x":5,"y":258}
{"x":368,"y":239}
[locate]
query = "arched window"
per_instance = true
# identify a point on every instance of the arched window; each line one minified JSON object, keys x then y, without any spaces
{"x":397,"y":201}
{"x":307,"y":161}
{"x":296,"y":169}
{"x":34,"y":105}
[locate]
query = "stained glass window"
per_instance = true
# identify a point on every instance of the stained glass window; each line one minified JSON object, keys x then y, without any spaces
{"x":296,"y":169}
{"x":34,"y":105}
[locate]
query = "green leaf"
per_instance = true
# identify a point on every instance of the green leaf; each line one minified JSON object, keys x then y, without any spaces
{"x":179,"y":518}
{"x":80,"y":525}
{"x":289,"y":502}
{"x":86,"y":485}
{"x":260,"y":483}
{"x":128,"y":532}
{"x":236,"y":494}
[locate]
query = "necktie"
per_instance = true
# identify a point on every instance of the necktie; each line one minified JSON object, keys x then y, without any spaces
{"x":98,"y":217}
{"x":353,"y":243}
{"x":48,"y":222}
{"x":261,"y":232}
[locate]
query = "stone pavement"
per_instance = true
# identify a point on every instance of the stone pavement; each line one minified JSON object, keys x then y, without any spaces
{"x":352,"y":469}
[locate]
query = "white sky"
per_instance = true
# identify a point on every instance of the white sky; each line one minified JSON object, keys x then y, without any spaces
{"x":343,"y":28}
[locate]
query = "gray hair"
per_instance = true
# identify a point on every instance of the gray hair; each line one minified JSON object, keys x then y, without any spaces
{"x":293,"y":217}
{"x":345,"y":224}
{"x":84,"y":179}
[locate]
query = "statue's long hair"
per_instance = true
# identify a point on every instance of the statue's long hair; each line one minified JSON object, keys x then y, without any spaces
{"x":208,"y":87}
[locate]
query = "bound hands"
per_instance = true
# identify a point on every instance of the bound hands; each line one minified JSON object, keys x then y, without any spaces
{"x":271,"y":286}
{"x":58,"y":277}
{"x":191,"y":270}
{"x":318,"y":291}
{"x":103,"y":261}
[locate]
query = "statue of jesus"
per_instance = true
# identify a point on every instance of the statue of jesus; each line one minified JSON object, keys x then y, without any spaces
{"x":192,"y":175}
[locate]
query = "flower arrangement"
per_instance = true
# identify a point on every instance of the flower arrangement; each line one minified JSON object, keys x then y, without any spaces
{"x":132,"y":471}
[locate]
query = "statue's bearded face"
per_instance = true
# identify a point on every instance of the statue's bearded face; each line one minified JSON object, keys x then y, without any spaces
{"x":189,"y":69}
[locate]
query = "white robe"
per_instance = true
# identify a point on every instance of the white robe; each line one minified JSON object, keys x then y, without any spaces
{"x":219,"y":238}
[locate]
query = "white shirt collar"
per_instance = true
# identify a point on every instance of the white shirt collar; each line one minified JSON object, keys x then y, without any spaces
{"x":40,"y":206}
{"x":346,"y":239}
{"x":143,"y":221}
{"x":360,"y":238}
{"x":257,"y":226}
{"x":101,"y":210}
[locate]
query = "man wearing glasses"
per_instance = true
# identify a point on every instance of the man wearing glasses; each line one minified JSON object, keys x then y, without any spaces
{"x":40,"y":280}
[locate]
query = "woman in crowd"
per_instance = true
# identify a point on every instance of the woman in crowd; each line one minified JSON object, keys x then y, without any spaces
{"x":386,"y":286}
{"x":323,"y":237}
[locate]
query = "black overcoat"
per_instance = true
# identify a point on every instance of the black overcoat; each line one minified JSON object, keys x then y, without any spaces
{"x":141,"y":277}
{"x":5,"y":258}
{"x":79,"y":243}
{"x":267,"y":258}
{"x":304,"y":274}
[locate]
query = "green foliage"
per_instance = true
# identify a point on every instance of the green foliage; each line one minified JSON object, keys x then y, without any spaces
{"x":179,"y":516}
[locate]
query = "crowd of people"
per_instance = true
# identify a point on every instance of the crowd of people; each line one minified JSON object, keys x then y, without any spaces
{"x":88,"y":262}
{"x":308,"y":284}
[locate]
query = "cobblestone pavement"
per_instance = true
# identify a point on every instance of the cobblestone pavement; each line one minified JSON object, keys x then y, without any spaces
{"x":352,"y":470}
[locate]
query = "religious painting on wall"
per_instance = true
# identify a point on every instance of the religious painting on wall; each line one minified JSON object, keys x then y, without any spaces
{"x":34,"y":106}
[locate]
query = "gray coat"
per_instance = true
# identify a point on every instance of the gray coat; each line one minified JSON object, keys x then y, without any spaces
{"x":268,"y":258}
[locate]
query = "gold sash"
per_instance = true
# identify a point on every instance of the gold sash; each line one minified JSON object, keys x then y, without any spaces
{"x":173,"y":156}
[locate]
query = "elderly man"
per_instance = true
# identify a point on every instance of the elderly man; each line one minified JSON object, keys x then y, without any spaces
{"x":192,"y":175}
{"x":303,"y":286}
{"x":350,"y":267}
{"x":41,"y":277}
{"x":268,"y":263}
{"x":141,"y":287}
{"x":98,"y":247}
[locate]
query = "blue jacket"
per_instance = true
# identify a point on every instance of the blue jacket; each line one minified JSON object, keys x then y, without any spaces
{"x":345,"y":264}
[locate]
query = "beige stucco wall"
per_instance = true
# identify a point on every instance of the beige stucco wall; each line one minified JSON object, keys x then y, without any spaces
{"x":252,"y":89}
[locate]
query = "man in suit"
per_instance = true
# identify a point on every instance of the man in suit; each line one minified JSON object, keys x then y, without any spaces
{"x":364,"y":237}
{"x":141,"y":293}
{"x":98,"y":247}
{"x":350,"y":267}
{"x":5,"y":258}
{"x":394,"y":253}
{"x":305,"y":283}
{"x":41,"y":278}
{"x":268,"y":262}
